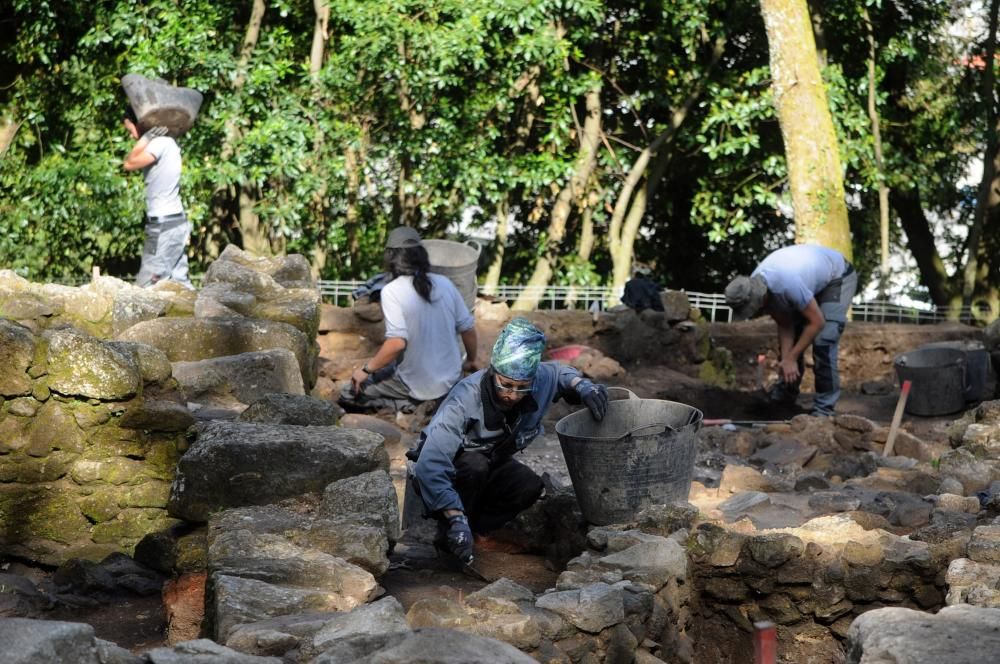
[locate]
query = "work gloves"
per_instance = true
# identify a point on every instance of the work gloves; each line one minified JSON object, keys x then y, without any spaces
{"x":459,"y":537}
{"x":594,"y":397}
{"x":155,"y":132}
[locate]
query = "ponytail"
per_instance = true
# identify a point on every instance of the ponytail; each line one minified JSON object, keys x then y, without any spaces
{"x":411,"y":261}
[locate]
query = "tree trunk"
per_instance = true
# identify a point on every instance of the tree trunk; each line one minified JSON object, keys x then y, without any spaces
{"x":987,"y":198}
{"x":255,"y":239}
{"x":883,"y":189}
{"x":492,"y":279}
{"x":586,"y":159}
{"x":921,"y":243}
{"x":814,"y":170}
{"x":316,"y":55}
{"x":621,"y":255}
{"x":246,"y":52}
{"x":8,"y":130}
{"x":633,"y":221}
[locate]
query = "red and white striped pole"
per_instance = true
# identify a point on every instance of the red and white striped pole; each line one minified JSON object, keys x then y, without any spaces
{"x":765,"y":643}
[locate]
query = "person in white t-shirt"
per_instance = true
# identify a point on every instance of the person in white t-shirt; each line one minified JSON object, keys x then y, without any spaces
{"x":168,"y":230}
{"x":420,"y":359}
{"x":807,"y":289}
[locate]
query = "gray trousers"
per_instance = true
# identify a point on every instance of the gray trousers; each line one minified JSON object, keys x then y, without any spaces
{"x":835,"y":303}
{"x":382,"y":389}
{"x":164,"y":254}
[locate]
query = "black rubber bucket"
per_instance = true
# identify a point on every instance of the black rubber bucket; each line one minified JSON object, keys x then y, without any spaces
{"x":642,"y":453}
{"x":937,"y":377}
{"x":977,"y":366}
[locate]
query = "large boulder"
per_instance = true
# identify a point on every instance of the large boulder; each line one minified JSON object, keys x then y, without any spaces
{"x":369,"y":496}
{"x":82,"y":365}
{"x":192,"y":339}
{"x":232,"y":464}
{"x":957,"y":634}
{"x":203,"y":651}
{"x":442,"y":646}
{"x":247,"y":377}
{"x":291,"y":409}
{"x":28,"y":641}
{"x":361,"y":541}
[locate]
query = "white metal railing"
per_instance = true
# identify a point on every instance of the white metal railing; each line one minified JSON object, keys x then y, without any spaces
{"x":712,"y":305}
{"x":595,"y":298}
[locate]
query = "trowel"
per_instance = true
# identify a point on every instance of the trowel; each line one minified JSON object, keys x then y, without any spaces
{"x":470,"y":569}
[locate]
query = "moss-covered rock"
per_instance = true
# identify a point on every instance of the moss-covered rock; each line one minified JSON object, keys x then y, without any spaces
{"x":154,"y":366}
{"x":115,"y":470}
{"x":110,"y":440}
{"x":130,"y":525}
{"x":17,"y":349}
{"x":155,"y":415}
{"x":19,"y":467}
{"x":23,"y":406}
{"x":37,"y":512}
{"x":82,"y":365}
{"x":54,"y":428}
{"x":13,"y":434}
{"x":101,"y":505}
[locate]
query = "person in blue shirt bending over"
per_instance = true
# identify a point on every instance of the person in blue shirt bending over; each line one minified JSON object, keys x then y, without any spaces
{"x":465,"y":470}
{"x":807,"y":289}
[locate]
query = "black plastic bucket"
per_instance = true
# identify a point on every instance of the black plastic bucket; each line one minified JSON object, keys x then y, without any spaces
{"x":642,"y":453}
{"x":938,"y":380}
{"x":977,"y":366}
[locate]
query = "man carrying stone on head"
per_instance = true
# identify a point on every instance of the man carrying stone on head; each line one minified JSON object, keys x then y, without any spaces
{"x":465,"y":470}
{"x":807,"y":290}
{"x":420,"y":358}
{"x":168,"y":230}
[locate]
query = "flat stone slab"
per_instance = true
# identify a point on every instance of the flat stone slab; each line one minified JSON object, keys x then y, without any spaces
{"x":232,"y":464}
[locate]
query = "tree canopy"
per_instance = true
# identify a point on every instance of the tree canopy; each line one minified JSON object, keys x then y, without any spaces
{"x":576,"y":135}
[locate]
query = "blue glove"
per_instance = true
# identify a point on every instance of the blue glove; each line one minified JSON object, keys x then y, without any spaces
{"x":460,"y":537}
{"x":594,"y":397}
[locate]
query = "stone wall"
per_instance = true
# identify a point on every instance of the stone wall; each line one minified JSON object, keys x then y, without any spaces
{"x":87,"y":449}
{"x":94,"y":400}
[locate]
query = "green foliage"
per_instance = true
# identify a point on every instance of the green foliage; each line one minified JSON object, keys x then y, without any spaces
{"x":452,"y":107}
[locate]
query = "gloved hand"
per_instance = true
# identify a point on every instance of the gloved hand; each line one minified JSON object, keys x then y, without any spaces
{"x":460,"y":537}
{"x":155,"y":132}
{"x":594,"y":397}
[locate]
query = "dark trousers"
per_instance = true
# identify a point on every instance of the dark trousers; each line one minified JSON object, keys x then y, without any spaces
{"x":494,"y":491}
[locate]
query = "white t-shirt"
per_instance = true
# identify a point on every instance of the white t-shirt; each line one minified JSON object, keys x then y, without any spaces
{"x":796,"y":274}
{"x":432,"y":361}
{"x":163,"y":178}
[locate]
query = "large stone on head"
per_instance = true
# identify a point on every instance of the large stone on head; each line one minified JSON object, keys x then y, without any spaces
{"x":232,"y":464}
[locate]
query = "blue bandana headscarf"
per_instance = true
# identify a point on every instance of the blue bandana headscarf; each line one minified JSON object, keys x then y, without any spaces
{"x":518,"y":350}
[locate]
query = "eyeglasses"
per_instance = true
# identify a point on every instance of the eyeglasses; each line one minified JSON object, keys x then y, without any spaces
{"x":510,"y":388}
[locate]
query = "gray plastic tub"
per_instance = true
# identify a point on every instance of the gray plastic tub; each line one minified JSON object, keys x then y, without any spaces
{"x":157,"y":103}
{"x":641,"y":454}
{"x":458,"y":261}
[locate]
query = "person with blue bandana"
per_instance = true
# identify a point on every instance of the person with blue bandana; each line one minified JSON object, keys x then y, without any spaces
{"x":465,"y":472}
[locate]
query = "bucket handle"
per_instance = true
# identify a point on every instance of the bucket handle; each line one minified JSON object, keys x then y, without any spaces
{"x":629,"y":394}
{"x":472,"y":244}
{"x":632,"y":432}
